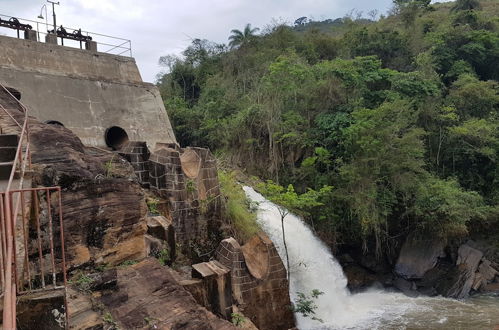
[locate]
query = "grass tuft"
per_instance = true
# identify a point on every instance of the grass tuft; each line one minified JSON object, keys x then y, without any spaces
{"x":237,"y":207}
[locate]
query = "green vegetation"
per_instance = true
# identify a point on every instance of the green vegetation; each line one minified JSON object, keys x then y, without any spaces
{"x":305,"y":304}
{"x":109,"y":167}
{"x":239,"y":38}
{"x":237,"y":207}
{"x":152,"y":205}
{"x":163,"y":256}
{"x":151,"y":322}
{"x":288,"y":199}
{"x":190,"y":186}
{"x":127,"y":263}
{"x":82,"y":281}
{"x":237,"y":319}
{"x":399,"y":114}
{"x":102,"y":267}
{"x":108,"y":318}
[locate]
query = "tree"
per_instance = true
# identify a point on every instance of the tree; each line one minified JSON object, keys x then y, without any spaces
{"x":239,"y":38}
{"x":301,"y":21}
{"x":466,"y":5}
{"x":287,"y":199}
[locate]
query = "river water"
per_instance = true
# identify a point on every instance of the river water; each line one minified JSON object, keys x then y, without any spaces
{"x":313,"y":267}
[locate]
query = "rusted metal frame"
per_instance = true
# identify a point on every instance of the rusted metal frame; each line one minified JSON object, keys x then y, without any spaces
{"x":26,"y":246}
{"x":13,"y":220}
{"x":83,"y":33}
{"x":3,"y":238}
{"x":42,"y":189}
{"x":36,"y":203}
{"x":56,"y":190}
{"x":13,"y":217}
{"x":17,"y":158}
{"x":61,"y":231}
{"x":47,"y":288}
{"x":38,"y":237}
{"x":9,"y":284}
{"x":9,"y":308}
{"x":51,"y":234}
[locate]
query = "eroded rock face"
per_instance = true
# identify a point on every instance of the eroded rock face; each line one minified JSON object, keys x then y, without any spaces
{"x":463,"y":277}
{"x":419,"y":256}
{"x":107,"y":219}
{"x":102,"y":202}
{"x":424,"y":268}
{"x":147,"y":295}
{"x":264,"y":300}
{"x":83,"y":314}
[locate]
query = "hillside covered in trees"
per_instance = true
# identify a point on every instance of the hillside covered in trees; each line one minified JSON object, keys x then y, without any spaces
{"x":398,"y":113}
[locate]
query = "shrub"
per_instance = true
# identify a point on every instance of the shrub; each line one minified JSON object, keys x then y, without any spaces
{"x":237,"y":207}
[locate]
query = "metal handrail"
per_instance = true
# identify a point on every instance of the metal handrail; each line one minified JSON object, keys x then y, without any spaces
{"x":94,"y":34}
{"x":8,"y":219}
{"x":9,"y":304}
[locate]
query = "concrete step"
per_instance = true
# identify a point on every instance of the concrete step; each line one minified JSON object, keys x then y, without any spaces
{"x":8,"y":140}
{"x":7,"y":154}
{"x":5,"y":169}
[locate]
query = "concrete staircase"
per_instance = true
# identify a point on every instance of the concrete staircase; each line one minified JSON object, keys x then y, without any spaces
{"x":8,"y":147}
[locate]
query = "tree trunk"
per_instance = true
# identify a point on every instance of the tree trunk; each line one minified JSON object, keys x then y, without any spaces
{"x":285,"y":246}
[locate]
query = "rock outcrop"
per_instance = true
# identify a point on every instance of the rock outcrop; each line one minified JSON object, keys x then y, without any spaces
{"x":419,"y":256}
{"x":259,"y":283}
{"x":103,"y":205}
{"x":108,"y":224}
{"x":147,"y":295}
{"x":460,"y":279}
{"x":424,"y":268}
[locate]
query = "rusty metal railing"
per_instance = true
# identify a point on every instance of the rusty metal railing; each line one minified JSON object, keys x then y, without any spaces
{"x":40,"y":224}
{"x":105,"y":43}
{"x":17,"y":277}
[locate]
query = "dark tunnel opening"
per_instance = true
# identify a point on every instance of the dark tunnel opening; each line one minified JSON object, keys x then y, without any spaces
{"x":116,"y":137}
{"x":54,"y":122}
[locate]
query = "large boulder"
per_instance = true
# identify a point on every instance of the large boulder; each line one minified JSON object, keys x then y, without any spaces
{"x":459,"y":281}
{"x":419,"y":256}
{"x":358,"y":277}
{"x":485,"y":275}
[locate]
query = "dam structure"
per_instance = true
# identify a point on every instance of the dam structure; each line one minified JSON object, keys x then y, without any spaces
{"x":99,"y":96}
{"x":101,"y":99}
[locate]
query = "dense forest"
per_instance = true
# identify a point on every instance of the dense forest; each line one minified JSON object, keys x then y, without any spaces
{"x":396,"y":115}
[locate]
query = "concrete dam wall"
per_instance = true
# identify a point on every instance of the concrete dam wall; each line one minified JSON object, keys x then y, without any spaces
{"x":93,"y":94}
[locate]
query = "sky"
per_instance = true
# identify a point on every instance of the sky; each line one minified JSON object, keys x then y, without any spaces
{"x":163,"y":27}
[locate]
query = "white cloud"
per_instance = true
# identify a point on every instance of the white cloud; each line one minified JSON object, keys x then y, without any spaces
{"x":160,"y":27}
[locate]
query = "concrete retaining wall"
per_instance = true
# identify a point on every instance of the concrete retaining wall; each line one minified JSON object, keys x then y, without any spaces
{"x":67,"y":61}
{"x":86,"y":91}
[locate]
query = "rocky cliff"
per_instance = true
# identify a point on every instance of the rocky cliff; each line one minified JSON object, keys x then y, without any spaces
{"x":132,"y":216}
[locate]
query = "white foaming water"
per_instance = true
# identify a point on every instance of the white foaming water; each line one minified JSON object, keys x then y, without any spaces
{"x":313,"y":267}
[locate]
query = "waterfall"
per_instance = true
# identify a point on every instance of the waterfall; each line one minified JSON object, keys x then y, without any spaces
{"x":314,"y":267}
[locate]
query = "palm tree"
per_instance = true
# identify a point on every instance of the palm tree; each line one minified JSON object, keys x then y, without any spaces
{"x":238,"y":38}
{"x":466,"y":5}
